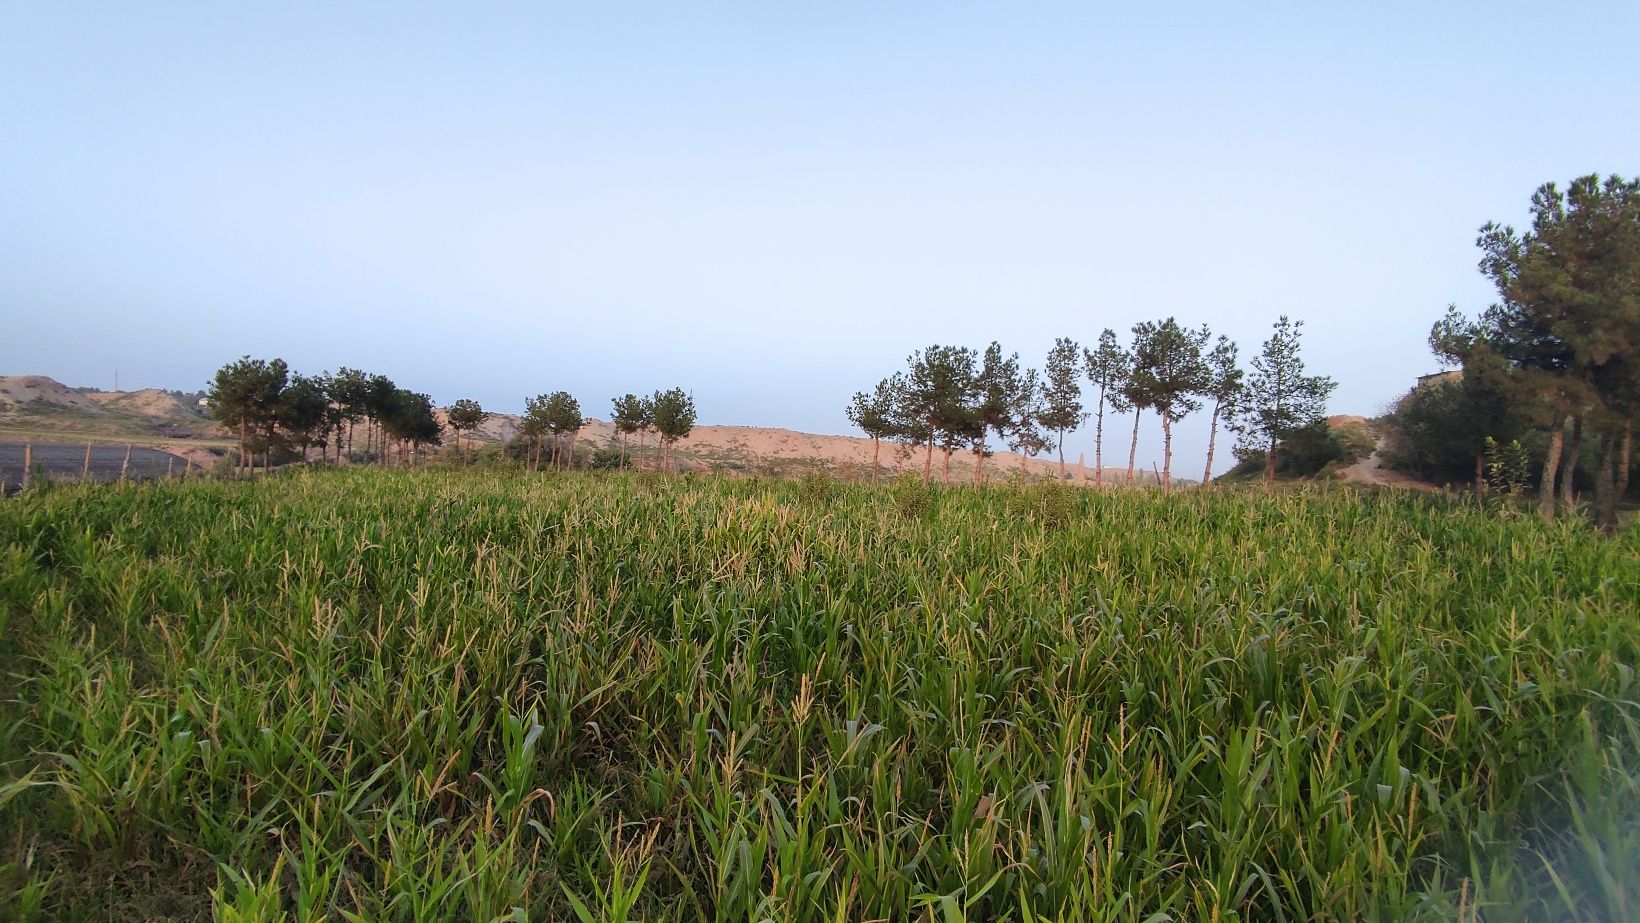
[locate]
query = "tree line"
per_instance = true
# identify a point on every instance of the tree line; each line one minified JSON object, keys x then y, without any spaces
{"x":274,"y":410}
{"x":955,"y":398}
{"x":1552,"y":369}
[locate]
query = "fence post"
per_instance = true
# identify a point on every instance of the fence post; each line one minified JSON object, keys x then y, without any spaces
{"x":125,"y":464}
{"x":28,"y":462}
{"x":85,"y":468}
{"x":170,"y":465}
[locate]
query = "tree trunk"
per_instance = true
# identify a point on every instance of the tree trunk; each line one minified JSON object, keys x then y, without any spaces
{"x":1167,"y":451}
{"x":1625,"y":462}
{"x":928,"y":460}
{"x":1605,"y":486}
{"x":1212,"y":438}
{"x":876,"y":452}
{"x":1061,"y":455}
{"x":1568,"y":470}
{"x":1270,"y":465}
{"x":945,"y":471}
{"x":979,"y":463}
{"x":1099,"y":440}
{"x":1133,"y":450}
{"x":1480,"y":474}
{"x":1551,"y":466}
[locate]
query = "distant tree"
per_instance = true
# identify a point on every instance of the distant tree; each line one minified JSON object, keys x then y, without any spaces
{"x":1223,"y":386}
{"x":629,"y":416}
{"x":1027,"y":437}
{"x":350,"y":389}
{"x":1279,"y":399}
{"x":1438,"y":430}
{"x":1135,"y":398}
{"x":935,"y":402}
{"x":996,"y":401}
{"x":873,"y":414}
{"x":1168,"y":369}
{"x":407,"y":418}
{"x":244,"y":396}
{"x":908,"y":423}
{"x":381,"y":401}
{"x":561,"y":417}
{"x":647,"y":424}
{"x":1062,"y":393}
{"x":1107,"y":367}
{"x":674,"y":416}
{"x":534,"y":426}
{"x":303,"y":411}
{"x":465,"y":416}
{"x":1568,"y":324}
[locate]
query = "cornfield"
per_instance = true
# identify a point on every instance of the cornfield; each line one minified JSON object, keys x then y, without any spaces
{"x":386,"y":695}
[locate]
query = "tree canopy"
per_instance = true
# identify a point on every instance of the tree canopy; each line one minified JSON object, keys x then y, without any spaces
{"x":1280,"y":399}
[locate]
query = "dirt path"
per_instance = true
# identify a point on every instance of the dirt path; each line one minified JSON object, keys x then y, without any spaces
{"x":1371,"y":470}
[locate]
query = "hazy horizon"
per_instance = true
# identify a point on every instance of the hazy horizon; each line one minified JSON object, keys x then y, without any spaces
{"x":769,"y":207}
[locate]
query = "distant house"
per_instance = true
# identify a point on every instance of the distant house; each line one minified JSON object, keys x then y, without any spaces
{"x":1450,"y":375}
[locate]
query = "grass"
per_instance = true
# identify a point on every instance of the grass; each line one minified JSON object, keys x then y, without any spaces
{"x":479,"y":695}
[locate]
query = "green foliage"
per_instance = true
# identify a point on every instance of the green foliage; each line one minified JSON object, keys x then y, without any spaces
{"x":1168,"y":368}
{"x":873,"y":414}
{"x":1109,"y":368}
{"x":631,"y":414}
{"x":816,"y":487}
{"x":937,"y":395}
{"x":1508,"y":468}
{"x":466,"y":415}
{"x":1564,"y":336}
{"x":1062,"y":392}
{"x":303,"y":411}
{"x":673,"y":412}
{"x":369,"y":694}
{"x":408,"y":417}
{"x":1317,"y":449}
{"x":1280,"y":399}
{"x":551,"y":417}
{"x":607,"y":458}
{"x":913,"y":498}
{"x":245,"y":397}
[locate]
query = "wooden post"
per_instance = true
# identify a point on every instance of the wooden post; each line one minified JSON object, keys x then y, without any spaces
{"x":169,"y":463}
{"x":85,"y":468}
{"x":28,"y":462}
{"x":125,"y":464}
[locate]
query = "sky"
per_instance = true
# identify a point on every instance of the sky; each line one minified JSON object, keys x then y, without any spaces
{"x":770,"y":205}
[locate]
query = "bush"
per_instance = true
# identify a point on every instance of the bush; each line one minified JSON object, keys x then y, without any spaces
{"x":1314,"y":450}
{"x":912,"y":497}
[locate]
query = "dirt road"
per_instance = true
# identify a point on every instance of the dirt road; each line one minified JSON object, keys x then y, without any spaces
{"x":1371,"y":470}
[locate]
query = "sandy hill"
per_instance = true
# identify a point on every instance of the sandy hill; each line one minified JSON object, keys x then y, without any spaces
{"x":149,"y":402}
{"x":19,"y":390}
{"x":41,"y":406}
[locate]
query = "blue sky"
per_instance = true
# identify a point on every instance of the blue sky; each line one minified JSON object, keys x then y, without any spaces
{"x":768,"y":204}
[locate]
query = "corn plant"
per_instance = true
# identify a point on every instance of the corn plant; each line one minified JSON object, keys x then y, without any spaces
{"x":486,"y":695}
